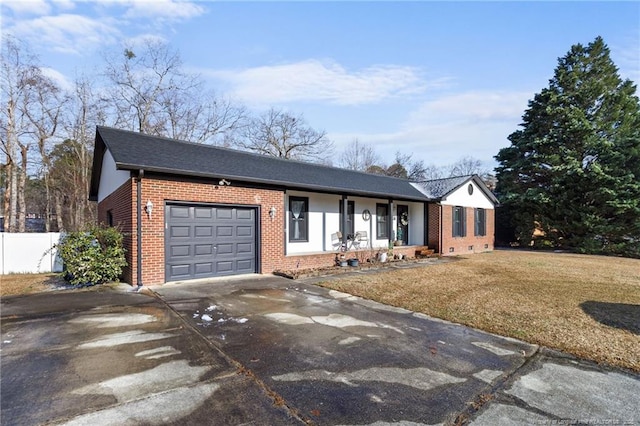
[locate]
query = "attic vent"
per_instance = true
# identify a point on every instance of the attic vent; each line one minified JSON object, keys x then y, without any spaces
{"x":470,"y":189}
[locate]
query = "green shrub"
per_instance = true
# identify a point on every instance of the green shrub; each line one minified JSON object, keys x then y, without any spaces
{"x":92,"y":257}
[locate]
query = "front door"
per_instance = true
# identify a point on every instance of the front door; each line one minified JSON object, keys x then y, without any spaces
{"x":403,"y":224}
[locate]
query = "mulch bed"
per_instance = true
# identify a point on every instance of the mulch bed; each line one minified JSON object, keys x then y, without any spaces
{"x":336,"y":270}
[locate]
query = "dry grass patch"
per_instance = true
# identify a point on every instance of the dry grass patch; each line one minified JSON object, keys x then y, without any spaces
{"x":585,"y":305}
{"x":17,"y":284}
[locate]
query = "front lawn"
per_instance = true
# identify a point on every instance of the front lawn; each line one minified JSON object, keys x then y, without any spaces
{"x":588,"y":306}
{"x":16,"y":284}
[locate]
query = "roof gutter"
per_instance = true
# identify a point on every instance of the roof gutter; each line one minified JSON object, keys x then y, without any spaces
{"x":289,"y":185}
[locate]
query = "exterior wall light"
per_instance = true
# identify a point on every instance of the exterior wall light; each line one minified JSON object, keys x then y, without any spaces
{"x":272,"y":212}
{"x":149,"y":208}
{"x":224,"y":182}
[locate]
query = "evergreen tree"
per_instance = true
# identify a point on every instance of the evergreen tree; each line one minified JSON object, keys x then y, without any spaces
{"x":573,"y":170}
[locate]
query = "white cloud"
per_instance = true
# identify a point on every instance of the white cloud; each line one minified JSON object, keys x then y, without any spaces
{"x":59,"y":78}
{"x":143,"y":39}
{"x":100,"y":26}
{"x":472,"y":106}
{"x":170,"y":10}
{"x":313,"y":80}
{"x":28,"y":7}
{"x":64,"y":4}
{"x":443,"y":130}
{"x":627,"y":57}
{"x":67,"y":33}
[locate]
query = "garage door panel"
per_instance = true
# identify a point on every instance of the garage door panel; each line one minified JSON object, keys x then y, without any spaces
{"x":205,"y":268}
{"x":180,"y":251}
{"x":244,"y":214}
{"x":180,"y":270}
{"x":223,"y":249}
{"x":224,"y":266}
{"x":224,"y":231}
{"x":246,"y":265}
{"x":224,"y":213}
{"x":203,"y":249}
{"x":244,"y":231}
{"x":179,"y":212}
{"x":180,"y":232}
{"x":203,"y":231}
{"x":244,"y":248}
{"x":203,"y":212}
{"x":208,"y":241}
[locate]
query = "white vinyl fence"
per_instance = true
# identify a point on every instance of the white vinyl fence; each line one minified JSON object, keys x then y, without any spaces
{"x":29,"y":253}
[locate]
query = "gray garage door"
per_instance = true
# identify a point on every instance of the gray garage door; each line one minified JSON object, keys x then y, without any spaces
{"x":209,"y":241}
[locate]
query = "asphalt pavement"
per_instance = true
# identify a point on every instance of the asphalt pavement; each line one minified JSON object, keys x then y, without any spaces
{"x":265,"y":350}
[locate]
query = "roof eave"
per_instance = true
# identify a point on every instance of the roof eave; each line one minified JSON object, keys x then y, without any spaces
{"x":287,"y":184}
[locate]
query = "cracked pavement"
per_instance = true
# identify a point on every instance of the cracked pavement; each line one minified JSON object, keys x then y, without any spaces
{"x":267,"y":350}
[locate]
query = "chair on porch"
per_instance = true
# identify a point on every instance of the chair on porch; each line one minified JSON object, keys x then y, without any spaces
{"x":361,"y":240}
{"x":336,"y":241}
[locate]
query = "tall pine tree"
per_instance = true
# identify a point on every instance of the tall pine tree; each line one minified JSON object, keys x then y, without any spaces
{"x":573,"y":170}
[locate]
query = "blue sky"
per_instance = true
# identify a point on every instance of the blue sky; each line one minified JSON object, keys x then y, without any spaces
{"x":440,"y":80}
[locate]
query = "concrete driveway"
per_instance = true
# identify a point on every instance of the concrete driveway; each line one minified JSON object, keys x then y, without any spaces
{"x":336,"y":359}
{"x":266,"y":350}
{"x":105,"y":358}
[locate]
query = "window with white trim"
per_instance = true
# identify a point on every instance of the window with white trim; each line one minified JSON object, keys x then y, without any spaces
{"x":382,"y":217}
{"x":480,"y":216}
{"x":298,"y":223}
{"x":459,"y":222}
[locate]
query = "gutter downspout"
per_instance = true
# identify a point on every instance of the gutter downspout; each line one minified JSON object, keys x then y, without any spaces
{"x":139,"y":227}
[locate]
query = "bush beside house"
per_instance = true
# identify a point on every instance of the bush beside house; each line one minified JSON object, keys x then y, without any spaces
{"x":92,"y":257}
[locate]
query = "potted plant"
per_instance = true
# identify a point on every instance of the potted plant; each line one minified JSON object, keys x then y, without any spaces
{"x":382,"y":255}
{"x":353,"y":262}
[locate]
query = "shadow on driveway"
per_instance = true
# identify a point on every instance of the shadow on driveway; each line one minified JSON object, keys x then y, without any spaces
{"x":619,"y":315}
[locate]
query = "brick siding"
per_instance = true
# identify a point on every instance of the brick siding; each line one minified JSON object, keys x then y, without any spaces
{"x":434,"y":226}
{"x":122,"y":206}
{"x":470,"y":243}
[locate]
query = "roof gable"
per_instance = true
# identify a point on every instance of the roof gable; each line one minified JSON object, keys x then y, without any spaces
{"x":440,"y":189}
{"x":135,"y":151}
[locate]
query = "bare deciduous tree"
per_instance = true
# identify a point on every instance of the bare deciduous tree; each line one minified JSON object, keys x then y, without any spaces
{"x":145,"y":81}
{"x":204,"y":118}
{"x":71,"y":160}
{"x":27,"y":112}
{"x":403,"y":167}
{"x":279,"y":134}
{"x":44,"y":111}
{"x":467,"y":166}
{"x":358,"y":156}
{"x":151,"y":93}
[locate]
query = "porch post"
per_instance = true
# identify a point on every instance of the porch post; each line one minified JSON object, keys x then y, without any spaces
{"x":344,"y":220}
{"x":390,"y":221}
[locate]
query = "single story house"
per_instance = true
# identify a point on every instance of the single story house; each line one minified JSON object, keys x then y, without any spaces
{"x":191,"y":211}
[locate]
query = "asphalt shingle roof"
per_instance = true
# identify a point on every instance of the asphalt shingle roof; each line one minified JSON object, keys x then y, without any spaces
{"x":134,"y":151}
{"x":438,"y":189}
